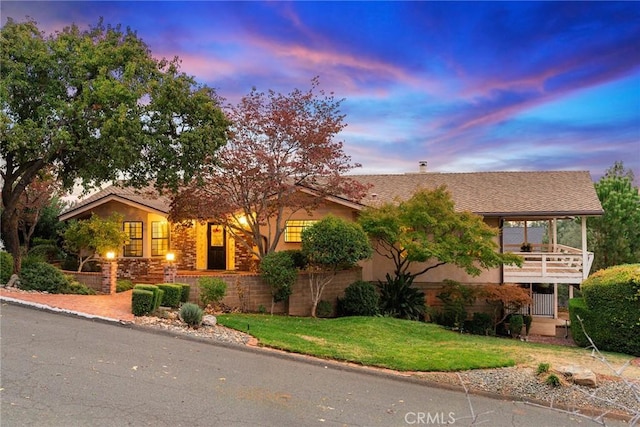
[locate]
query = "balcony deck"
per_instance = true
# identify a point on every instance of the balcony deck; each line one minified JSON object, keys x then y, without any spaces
{"x":563,"y":265}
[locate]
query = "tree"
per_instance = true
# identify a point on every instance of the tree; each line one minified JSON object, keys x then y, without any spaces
{"x":427,"y":228}
{"x":93,"y":106}
{"x":505,"y":300}
{"x":279,"y":271}
{"x":93,"y":237}
{"x":281,"y":158}
{"x":330,"y":245}
{"x":32,"y":204}
{"x":616,"y":234}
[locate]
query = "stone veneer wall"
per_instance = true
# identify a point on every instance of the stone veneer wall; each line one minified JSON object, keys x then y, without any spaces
{"x":140,"y":267}
{"x":183,"y":243}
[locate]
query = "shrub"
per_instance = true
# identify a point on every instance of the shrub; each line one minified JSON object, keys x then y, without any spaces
{"x":324,"y":309}
{"x":505,"y":300}
{"x":455,"y":298}
{"x":123,"y":285}
{"x":360,"y":299}
{"x":515,"y":325}
{"x":6,"y":266}
{"x":191,"y":314}
{"x":212,"y":290}
{"x":611,"y":310}
{"x":543,"y":368}
{"x":278,"y":270}
{"x":399,"y":299}
{"x":43,"y":277}
{"x":481,"y":324}
{"x":141,"y":301}
{"x":552,"y":380}
{"x":172,"y":294}
{"x":74,"y":287}
{"x":184,"y":294}
{"x":157,"y":294}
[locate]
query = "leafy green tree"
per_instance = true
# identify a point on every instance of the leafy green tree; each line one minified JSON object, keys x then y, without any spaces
{"x":93,"y":237}
{"x":616,"y":234}
{"x":427,"y":228}
{"x":93,"y":106}
{"x":279,"y":271}
{"x":330,"y":245}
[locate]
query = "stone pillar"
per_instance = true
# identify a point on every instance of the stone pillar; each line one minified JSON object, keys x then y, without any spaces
{"x":109,"y":276}
{"x":170,"y":271}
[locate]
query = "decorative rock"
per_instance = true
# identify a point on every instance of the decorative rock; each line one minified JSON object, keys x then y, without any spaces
{"x":13,"y":282}
{"x":579,"y":375}
{"x":209,"y":320}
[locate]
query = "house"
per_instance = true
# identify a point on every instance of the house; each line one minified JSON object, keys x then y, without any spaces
{"x":499,"y":197}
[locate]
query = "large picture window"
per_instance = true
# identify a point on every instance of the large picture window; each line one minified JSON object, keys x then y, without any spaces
{"x":133,"y":229}
{"x":159,"y":238}
{"x":293,"y":230}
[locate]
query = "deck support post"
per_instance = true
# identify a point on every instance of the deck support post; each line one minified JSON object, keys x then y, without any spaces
{"x":585,"y":273}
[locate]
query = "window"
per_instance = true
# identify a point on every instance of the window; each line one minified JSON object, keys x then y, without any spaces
{"x":159,"y":238}
{"x":293,"y":230}
{"x":133,"y":229}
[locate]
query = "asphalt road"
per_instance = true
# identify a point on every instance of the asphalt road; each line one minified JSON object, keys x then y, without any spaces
{"x":59,"y":370}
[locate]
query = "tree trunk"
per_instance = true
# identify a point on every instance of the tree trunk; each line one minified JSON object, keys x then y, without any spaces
{"x":9,"y":228}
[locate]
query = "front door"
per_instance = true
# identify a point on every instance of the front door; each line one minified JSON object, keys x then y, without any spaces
{"x":217,"y":248}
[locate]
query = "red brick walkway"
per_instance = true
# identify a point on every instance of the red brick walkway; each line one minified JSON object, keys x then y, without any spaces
{"x":116,"y":307}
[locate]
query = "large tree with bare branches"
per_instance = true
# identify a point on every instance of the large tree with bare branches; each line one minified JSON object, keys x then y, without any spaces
{"x":282,"y":157}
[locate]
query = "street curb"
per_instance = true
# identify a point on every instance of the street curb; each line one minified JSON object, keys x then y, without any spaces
{"x":312,"y":360}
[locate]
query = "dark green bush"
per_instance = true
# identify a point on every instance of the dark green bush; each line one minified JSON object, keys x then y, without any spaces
{"x":399,"y":299}
{"x":6,"y":266}
{"x":360,"y":299}
{"x":184,"y":294}
{"x":212,"y":290}
{"x":74,"y":287}
{"x":43,"y":277}
{"x":481,"y":324}
{"x":157,"y":294}
{"x":455,"y":298}
{"x":516,"y":322}
{"x":123,"y":285}
{"x":610,"y":310}
{"x":299,"y":259}
{"x":191,"y":314}
{"x":172,"y":294}
{"x":278,"y":270}
{"x":324,"y":309}
{"x":141,"y":301}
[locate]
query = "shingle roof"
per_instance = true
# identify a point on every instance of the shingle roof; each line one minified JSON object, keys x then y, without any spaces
{"x":496,"y":193}
{"x":145,"y":197}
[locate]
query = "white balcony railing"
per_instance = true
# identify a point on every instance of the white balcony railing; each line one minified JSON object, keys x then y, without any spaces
{"x":564,"y":265}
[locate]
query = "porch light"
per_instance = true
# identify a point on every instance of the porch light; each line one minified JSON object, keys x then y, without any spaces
{"x":170,"y":257}
{"x":110,"y":255}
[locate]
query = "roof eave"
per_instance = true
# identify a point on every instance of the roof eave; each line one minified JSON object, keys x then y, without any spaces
{"x":108,"y":198}
{"x":538,"y":214}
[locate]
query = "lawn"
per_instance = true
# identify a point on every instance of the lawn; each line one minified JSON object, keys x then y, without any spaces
{"x":398,"y":344}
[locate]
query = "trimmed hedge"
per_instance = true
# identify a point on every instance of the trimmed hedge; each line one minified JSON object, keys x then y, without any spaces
{"x":610,"y":310}
{"x":172,"y":294}
{"x":142,"y":301}
{"x":186,"y":289}
{"x":157,"y":294}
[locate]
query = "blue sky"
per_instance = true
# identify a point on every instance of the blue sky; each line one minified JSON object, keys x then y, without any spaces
{"x":466,"y":86}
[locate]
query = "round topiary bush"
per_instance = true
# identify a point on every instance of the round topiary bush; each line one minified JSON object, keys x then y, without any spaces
{"x":43,"y":277}
{"x":360,"y":299}
{"x":611,"y":310}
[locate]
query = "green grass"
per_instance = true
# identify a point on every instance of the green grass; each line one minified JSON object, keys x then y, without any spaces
{"x":375,"y":341}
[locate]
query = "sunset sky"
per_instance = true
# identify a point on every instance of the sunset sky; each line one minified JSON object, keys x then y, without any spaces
{"x":475,"y":86}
